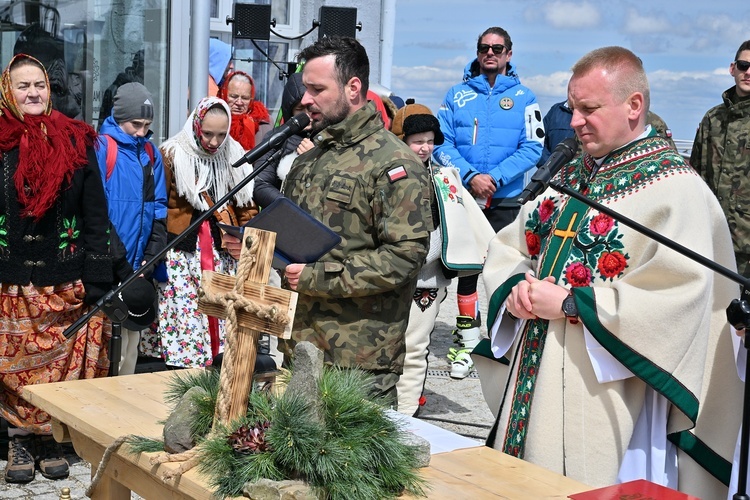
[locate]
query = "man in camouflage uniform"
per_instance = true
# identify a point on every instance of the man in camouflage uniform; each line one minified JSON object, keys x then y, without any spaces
{"x":721,"y":155}
{"x":369,"y":187}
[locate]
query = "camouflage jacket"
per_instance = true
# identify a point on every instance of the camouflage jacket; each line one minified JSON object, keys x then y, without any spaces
{"x":370,"y":188}
{"x":721,"y":155}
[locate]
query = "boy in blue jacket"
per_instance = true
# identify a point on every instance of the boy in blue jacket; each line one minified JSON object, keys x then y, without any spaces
{"x":133,"y":177}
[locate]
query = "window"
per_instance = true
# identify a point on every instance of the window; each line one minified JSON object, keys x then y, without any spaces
{"x":90,"y":48}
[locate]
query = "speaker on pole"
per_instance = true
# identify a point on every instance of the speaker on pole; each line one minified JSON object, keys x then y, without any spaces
{"x":251,"y":21}
{"x":337,"y":21}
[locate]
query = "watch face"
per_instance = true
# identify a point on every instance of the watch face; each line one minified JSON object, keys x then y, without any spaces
{"x":569,"y":306}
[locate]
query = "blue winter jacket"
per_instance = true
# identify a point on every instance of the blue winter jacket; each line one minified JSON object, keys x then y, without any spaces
{"x":136,"y":193}
{"x":557,"y":128}
{"x":491,"y":130}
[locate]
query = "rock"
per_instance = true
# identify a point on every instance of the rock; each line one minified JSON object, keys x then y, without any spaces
{"x":178,"y":436}
{"x":308,"y":367}
{"x":265,"y":489}
{"x":421,"y":448}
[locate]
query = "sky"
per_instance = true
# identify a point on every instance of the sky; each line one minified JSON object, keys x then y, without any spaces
{"x":686,"y":47}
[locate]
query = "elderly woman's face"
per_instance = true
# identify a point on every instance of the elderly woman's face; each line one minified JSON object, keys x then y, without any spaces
{"x":29,"y":89}
{"x":239,"y":95}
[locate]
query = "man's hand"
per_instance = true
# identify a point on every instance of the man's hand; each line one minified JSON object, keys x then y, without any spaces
{"x":232,"y":244}
{"x":534,"y":298}
{"x":292,"y":273}
{"x":483,"y":186}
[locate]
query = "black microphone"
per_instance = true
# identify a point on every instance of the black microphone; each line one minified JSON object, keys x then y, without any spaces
{"x":281,"y":134}
{"x":562,"y":154}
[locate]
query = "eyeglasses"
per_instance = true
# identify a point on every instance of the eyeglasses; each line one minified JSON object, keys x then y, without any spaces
{"x":742,"y":65}
{"x":497,"y":48}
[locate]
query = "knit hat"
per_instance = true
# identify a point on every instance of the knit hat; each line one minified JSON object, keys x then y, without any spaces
{"x":294,"y":89}
{"x":416,"y":118}
{"x":134,"y":306}
{"x":133,"y":101}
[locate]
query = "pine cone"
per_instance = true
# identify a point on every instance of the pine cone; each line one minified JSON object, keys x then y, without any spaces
{"x":248,"y":440}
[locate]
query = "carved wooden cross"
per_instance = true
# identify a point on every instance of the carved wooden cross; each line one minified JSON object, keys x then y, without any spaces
{"x":256,"y":308}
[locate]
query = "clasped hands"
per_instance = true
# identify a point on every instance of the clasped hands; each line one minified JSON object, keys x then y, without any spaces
{"x":533,"y":298}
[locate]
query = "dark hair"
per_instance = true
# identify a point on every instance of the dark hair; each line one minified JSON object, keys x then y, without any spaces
{"x":496,"y":30}
{"x":745,"y":46}
{"x":350,"y":58}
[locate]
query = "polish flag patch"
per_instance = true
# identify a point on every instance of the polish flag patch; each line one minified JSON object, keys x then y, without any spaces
{"x":397,"y":173}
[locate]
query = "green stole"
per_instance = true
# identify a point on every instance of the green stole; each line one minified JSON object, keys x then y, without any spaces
{"x":552,"y":263}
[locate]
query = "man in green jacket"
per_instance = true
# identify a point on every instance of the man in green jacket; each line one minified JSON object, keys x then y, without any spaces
{"x":368,"y":186}
{"x":721,"y":155}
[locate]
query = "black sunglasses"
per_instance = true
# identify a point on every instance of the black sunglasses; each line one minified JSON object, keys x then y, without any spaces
{"x":740,"y":65}
{"x":497,"y":48}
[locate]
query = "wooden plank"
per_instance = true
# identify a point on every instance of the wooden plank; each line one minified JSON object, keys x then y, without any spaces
{"x":106,"y":408}
{"x":95,"y":413}
{"x":263,"y":295}
{"x":487,"y":472}
{"x":134,"y":472}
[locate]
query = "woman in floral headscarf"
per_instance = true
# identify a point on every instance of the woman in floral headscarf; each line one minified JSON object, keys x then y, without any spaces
{"x":54,"y":260}
{"x":248,"y":114}
{"x":198,"y":168}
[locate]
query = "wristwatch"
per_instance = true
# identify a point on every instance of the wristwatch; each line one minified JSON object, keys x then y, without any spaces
{"x":570,"y":309}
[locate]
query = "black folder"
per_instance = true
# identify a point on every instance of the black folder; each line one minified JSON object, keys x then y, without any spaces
{"x":300,"y":238}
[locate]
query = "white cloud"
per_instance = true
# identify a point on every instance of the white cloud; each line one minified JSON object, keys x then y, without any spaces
{"x":571,"y":15}
{"x":554,"y":85}
{"x":637,"y":23}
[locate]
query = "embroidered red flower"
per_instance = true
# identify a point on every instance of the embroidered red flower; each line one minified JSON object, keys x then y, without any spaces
{"x":577,"y":274}
{"x":611,"y":264}
{"x":546,"y":209}
{"x":533,"y":243}
{"x":453,"y":189}
{"x":601,"y":224}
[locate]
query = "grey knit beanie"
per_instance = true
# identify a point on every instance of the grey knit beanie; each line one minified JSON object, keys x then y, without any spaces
{"x":133,"y":101}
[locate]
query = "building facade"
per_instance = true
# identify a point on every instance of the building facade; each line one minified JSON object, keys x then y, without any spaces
{"x":91,"y":47}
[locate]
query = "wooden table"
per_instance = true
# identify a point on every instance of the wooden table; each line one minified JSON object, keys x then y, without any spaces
{"x":94,"y":413}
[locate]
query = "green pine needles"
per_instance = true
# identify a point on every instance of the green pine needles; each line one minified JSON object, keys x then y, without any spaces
{"x":341,"y":443}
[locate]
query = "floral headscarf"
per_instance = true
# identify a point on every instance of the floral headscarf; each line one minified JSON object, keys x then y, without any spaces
{"x":51,"y":145}
{"x":197,"y":171}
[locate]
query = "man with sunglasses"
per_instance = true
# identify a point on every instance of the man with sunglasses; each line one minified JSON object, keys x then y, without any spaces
{"x":721,"y":155}
{"x":493,"y":135}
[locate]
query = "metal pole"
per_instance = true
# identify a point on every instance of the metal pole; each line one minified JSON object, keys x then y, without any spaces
{"x":200,"y":32}
{"x":387,"y":32}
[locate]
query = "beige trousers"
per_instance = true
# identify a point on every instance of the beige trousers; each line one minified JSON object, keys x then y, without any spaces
{"x":422,"y":316}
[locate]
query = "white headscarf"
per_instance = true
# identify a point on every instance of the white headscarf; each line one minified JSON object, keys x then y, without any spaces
{"x":196,"y":170}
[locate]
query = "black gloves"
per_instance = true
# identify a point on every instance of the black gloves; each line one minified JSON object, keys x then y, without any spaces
{"x":95,"y":291}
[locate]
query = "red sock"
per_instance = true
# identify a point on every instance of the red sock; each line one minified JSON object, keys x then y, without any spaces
{"x":468,"y":305}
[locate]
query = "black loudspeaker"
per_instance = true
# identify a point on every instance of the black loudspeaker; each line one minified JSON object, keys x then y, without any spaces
{"x":337,"y":21}
{"x":252,"y":21}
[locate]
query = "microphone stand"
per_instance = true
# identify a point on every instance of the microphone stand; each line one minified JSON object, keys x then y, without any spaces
{"x":107,"y":299}
{"x":743,"y":315}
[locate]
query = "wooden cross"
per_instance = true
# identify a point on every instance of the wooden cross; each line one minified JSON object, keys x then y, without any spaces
{"x":256,"y":308}
{"x":564,"y":234}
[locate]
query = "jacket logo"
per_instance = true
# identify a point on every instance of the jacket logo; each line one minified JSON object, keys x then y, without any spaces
{"x":463,"y":96}
{"x":341,"y":190}
{"x":506,"y":103}
{"x":519,"y":92}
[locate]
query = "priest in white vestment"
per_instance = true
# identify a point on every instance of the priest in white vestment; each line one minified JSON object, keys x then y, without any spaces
{"x":618,"y":357}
